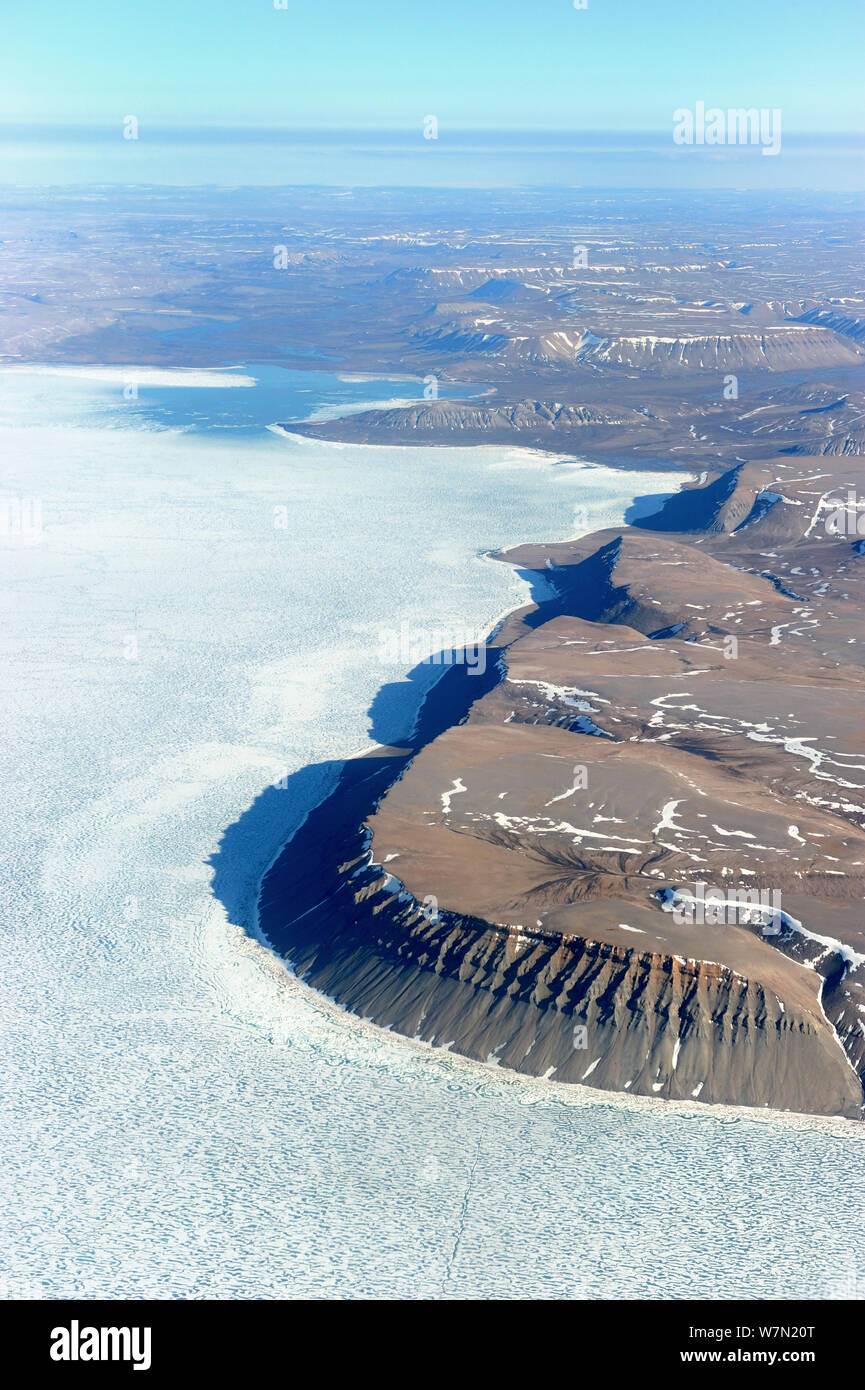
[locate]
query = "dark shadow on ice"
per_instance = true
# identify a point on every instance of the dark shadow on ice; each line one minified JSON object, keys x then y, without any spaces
{"x":643,"y":507}
{"x":281,"y":807}
{"x":312,"y":806}
{"x":323,"y":805}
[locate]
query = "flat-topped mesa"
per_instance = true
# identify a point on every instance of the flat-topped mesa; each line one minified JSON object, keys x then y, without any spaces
{"x":508,"y":821}
{"x":757,"y":537}
{"x":781,"y":347}
{"x":545,"y":424}
{"x":653,"y":582}
{"x":616,"y":426}
{"x":674,"y":726}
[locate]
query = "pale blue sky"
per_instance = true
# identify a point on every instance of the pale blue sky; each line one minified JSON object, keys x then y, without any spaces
{"x":618,"y":65}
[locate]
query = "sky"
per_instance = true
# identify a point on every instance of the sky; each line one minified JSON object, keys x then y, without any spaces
{"x":502,"y":64}
{"x":227,"y":92}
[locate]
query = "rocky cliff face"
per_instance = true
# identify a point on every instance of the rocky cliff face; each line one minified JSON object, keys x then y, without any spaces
{"x":776,"y":349}
{"x":549,"y":424}
{"x":610,"y":422}
{"x":570,"y":1007}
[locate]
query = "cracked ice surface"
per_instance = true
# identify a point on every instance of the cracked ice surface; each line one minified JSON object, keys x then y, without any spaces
{"x":183,"y":1118}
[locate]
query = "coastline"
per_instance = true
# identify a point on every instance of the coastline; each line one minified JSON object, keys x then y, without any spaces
{"x":433,"y":708}
{"x":557,"y":452}
{"x":339,"y":890}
